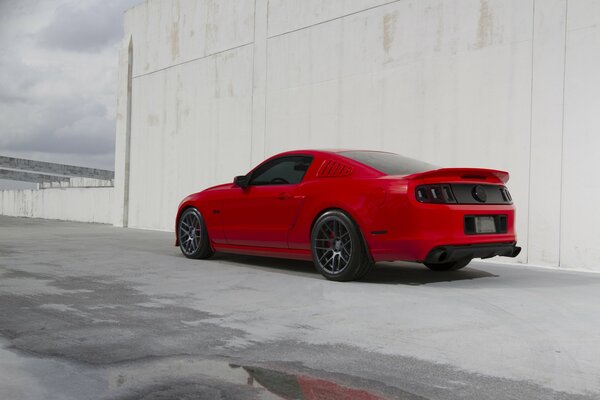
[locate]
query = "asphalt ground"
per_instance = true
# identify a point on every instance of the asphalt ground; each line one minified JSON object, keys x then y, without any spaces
{"x":96,"y":312}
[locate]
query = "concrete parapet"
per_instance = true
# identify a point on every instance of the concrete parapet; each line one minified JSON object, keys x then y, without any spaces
{"x":54,"y":168}
{"x":84,"y":204}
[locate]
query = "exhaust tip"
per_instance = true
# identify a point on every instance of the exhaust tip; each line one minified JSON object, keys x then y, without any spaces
{"x":442,"y":256}
{"x":438,"y":255}
{"x":516,"y":251}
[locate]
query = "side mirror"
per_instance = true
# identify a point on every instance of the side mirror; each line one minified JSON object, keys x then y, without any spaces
{"x":241,"y":181}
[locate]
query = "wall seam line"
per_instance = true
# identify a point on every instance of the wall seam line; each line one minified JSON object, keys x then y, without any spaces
{"x":330,"y":20}
{"x":529,"y":213}
{"x":253,"y":86}
{"x":264,"y":133}
{"x":192,"y":60}
{"x":562,"y":136}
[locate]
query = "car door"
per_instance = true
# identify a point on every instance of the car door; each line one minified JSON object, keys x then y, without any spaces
{"x":261,"y":214}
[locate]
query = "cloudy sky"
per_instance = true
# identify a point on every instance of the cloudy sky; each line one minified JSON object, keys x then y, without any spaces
{"x":58,"y":72}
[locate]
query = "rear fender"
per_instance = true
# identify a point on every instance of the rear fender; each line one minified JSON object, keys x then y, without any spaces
{"x":354,"y":220}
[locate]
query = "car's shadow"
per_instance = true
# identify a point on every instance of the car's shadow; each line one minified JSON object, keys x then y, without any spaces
{"x":396,"y":273}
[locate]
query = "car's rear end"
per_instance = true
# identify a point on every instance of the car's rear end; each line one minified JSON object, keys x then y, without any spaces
{"x":436,"y":215}
{"x":459,"y":213}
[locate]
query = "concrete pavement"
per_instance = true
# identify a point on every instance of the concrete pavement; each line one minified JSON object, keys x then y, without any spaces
{"x":91,"y":311}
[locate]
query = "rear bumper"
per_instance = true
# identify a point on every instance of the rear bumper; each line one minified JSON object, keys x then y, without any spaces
{"x":411,"y":231}
{"x":487,"y":250}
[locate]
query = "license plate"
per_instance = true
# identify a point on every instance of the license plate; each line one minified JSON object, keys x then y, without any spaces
{"x":485,"y":225}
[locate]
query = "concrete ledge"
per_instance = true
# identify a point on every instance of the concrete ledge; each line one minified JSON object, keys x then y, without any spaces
{"x":68,"y":204}
{"x":54,"y":168}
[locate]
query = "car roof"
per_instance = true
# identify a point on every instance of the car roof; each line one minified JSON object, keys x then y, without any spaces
{"x":324,"y":151}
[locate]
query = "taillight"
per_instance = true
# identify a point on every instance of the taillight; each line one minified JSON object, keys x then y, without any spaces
{"x":505,"y":195}
{"x":434,"y":194}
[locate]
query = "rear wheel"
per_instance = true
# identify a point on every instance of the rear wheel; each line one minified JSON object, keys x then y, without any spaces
{"x":337,"y":248}
{"x":193,"y":236}
{"x":448,"y":266}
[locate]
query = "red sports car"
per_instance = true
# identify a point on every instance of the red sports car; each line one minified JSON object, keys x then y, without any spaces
{"x":347,"y":209}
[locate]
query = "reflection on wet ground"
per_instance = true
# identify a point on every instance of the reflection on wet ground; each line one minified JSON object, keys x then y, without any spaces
{"x":289,"y":386}
{"x":217,"y":379}
{"x":29,"y":377}
{"x":195,"y":378}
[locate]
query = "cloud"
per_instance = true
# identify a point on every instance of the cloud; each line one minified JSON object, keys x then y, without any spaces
{"x":72,"y":127}
{"x":85,"y":26}
{"x":58,"y":69}
{"x":16,"y":79}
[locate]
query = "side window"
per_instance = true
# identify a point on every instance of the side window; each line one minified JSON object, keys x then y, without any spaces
{"x":282,"y":171}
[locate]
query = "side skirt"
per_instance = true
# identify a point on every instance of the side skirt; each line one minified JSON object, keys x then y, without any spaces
{"x":295,"y":254}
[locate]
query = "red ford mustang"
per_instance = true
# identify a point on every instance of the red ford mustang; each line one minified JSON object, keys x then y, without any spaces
{"x":346,"y":210}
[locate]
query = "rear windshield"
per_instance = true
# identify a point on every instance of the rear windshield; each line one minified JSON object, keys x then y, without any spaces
{"x":389,"y":163}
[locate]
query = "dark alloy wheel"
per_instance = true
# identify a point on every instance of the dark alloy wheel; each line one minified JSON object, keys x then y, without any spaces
{"x":338,"y":249}
{"x":192,"y":234}
{"x":448,"y":266}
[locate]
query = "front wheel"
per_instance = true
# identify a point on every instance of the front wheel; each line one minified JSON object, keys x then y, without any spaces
{"x":337,"y":248}
{"x":193,"y":236}
{"x":448,"y":266}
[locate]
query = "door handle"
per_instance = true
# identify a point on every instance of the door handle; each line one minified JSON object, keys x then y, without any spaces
{"x":284,"y":196}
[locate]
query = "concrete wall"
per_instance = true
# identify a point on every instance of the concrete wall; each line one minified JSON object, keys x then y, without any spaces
{"x":580,"y":195}
{"x":210,"y":88}
{"x":70,"y":204}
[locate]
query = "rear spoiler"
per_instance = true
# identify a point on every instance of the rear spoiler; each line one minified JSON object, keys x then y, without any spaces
{"x":463,"y":173}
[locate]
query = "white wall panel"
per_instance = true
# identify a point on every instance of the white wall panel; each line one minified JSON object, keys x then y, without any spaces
{"x":171,"y":32}
{"x":191,"y":127}
{"x":68,"y":204}
{"x":580,"y":236}
{"x":547,"y":132}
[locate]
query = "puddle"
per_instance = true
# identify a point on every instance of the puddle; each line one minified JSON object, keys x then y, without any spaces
{"x":192,"y":378}
{"x":24,"y":376}
{"x":33,"y":378}
{"x":288,"y":386}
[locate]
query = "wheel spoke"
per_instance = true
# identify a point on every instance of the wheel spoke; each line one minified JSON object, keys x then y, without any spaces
{"x":332,"y":261}
{"x":330,"y":228}
{"x":324,"y":254}
{"x":346,"y":250}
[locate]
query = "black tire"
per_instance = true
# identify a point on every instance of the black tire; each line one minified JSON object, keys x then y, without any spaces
{"x":193,"y":236}
{"x":448,"y":266}
{"x":338,"y":249}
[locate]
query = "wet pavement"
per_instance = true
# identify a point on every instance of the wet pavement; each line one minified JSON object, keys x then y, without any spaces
{"x":95,"y":312}
{"x":176,"y":377}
